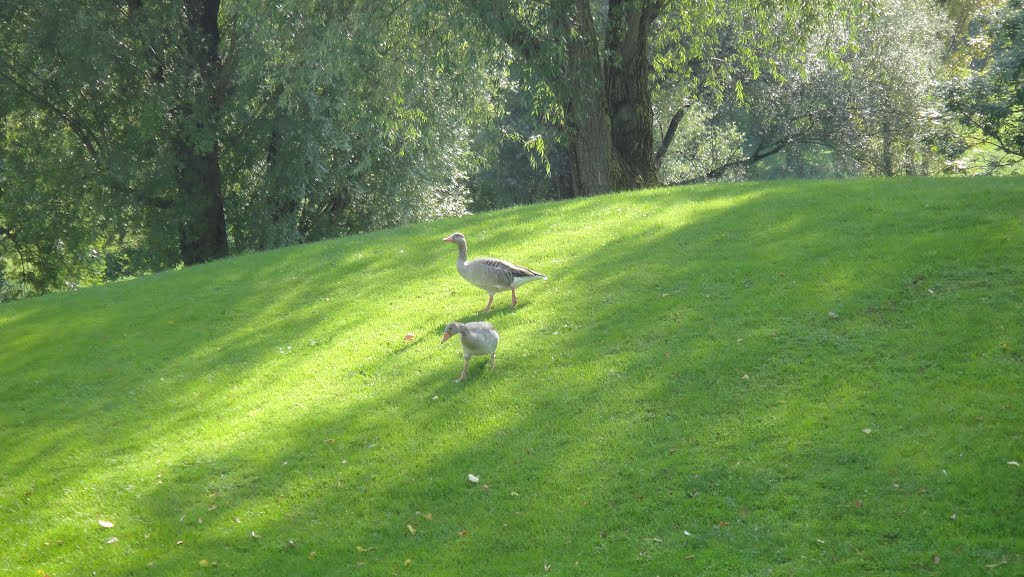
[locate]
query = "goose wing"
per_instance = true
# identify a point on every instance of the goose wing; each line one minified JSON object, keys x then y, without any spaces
{"x":505,"y":268}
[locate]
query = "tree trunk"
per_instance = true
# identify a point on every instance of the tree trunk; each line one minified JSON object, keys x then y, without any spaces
{"x":202,"y":225}
{"x":578,"y":80}
{"x":888,"y":165}
{"x":586,"y":106}
{"x":627,"y":78}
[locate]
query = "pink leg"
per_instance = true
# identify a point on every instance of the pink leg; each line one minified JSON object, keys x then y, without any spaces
{"x":492,"y":360}
{"x":489,"y":301}
{"x":513,"y":298}
{"x":462,"y":377}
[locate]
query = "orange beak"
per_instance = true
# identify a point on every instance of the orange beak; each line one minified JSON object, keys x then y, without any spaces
{"x":449,"y":239}
{"x":446,"y":337}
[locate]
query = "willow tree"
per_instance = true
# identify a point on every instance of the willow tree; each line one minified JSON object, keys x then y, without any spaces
{"x":140,"y":86}
{"x":175,"y":131}
{"x":601,"y":62}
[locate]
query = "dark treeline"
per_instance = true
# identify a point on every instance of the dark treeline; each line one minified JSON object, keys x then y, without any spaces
{"x":142,"y":135}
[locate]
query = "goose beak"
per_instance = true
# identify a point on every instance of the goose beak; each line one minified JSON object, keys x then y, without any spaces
{"x":446,"y":337}
{"x":449,"y":239}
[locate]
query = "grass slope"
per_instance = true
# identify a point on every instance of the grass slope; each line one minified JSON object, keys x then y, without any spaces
{"x":677,"y":399}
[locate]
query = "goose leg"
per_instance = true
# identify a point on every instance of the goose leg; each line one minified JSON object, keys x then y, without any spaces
{"x":465,"y":364}
{"x":492,"y":360}
{"x":513,"y":298}
{"x":489,"y":301}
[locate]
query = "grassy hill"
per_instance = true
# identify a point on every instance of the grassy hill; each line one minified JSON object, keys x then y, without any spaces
{"x":793,"y":378}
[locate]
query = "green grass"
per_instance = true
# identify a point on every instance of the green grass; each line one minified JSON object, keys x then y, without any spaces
{"x":676,"y":400}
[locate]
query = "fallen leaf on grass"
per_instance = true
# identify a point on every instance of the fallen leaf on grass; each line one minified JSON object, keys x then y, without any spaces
{"x":832,"y":315}
{"x":312,"y":554}
{"x":412,"y":530}
{"x":994,"y":565}
{"x":112,"y":540}
{"x":858,"y":503}
{"x":329,"y":441}
{"x":428,"y":516}
{"x":473,"y":478}
{"x":547,"y":567}
{"x":409,"y":337}
{"x":408,"y":562}
{"x":361,"y":549}
{"x":204,"y":563}
{"x":1013,"y":463}
{"x":463,"y":533}
{"x":178,"y":542}
{"x":867,"y":431}
{"x":106,"y":524}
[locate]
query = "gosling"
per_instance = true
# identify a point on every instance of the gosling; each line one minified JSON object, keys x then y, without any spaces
{"x":478,"y":338}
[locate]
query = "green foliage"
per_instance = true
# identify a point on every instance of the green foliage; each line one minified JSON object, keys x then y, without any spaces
{"x":321,"y":118}
{"x":675,"y":396}
{"x":708,"y":51}
{"x":703,"y":144}
{"x":51,"y":232}
{"x":352,"y":123}
{"x":990,"y":103}
{"x":864,"y":88}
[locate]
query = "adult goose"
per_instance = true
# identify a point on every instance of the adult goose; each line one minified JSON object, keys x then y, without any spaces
{"x":491,"y":274}
{"x":478,"y":338}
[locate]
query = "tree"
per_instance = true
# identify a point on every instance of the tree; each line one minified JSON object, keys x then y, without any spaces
{"x":870,"y":106}
{"x":167,"y":133}
{"x":600,"y":64}
{"x":990,"y":102}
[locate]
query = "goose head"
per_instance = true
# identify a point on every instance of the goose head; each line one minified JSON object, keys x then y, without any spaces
{"x":455,"y":238}
{"x":451,"y":329}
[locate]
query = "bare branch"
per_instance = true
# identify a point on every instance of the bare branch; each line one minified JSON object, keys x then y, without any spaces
{"x":670,"y":135}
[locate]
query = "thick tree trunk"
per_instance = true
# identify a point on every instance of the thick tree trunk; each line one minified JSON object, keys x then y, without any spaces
{"x":579,"y":82}
{"x":586,"y":105}
{"x":627,"y":78}
{"x":590,"y":146}
{"x":202,"y":225}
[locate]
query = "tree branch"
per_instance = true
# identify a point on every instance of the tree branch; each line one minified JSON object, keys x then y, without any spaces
{"x":760,"y":153}
{"x":511,"y":31}
{"x":84,"y":133}
{"x":670,"y":135}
